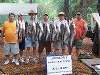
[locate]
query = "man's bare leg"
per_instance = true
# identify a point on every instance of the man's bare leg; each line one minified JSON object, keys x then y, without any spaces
{"x":34,"y":52}
{"x":65,"y":51}
{"x":74,"y":53}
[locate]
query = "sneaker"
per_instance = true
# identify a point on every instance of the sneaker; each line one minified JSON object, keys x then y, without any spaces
{"x":27,"y":60}
{"x":15,"y":61}
{"x":6,"y":62}
{"x":36,"y":60}
{"x":22,"y":60}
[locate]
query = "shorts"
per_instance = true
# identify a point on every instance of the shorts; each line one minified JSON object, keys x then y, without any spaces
{"x":11,"y":48}
{"x":34,"y":44}
{"x":78,"y":43}
{"x":60,"y":44}
{"x":22,"y":45}
{"x":46,"y":45}
{"x":28,"y":42}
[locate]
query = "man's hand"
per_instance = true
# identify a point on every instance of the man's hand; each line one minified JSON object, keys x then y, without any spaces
{"x":20,"y":39}
{"x":1,"y":41}
{"x":83,"y":37}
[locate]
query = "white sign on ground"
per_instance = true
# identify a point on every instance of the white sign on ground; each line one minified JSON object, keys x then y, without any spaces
{"x":59,"y":65}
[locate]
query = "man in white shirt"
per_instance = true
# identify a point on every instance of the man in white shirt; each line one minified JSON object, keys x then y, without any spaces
{"x":21,"y":35}
{"x":45,"y":41}
{"x":62,"y":31}
{"x":33,"y":24}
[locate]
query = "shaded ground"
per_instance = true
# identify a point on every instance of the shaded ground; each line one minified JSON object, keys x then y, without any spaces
{"x":38,"y":69}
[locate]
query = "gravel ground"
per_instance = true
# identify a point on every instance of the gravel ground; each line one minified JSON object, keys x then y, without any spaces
{"x":38,"y":69}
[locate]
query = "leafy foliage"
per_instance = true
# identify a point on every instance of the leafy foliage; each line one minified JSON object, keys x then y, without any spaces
{"x":86,"y":7}
{"x":52,"y":7}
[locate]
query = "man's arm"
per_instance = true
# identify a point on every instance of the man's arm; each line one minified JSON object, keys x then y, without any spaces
{"x":68,"y":30}
{"x":85,"y":30}
{"x":55,"y":26}
{"x":2,"y":34}
{"x":17,"y":26}
{"x":3,"y":30}
{"x":57,"y":31}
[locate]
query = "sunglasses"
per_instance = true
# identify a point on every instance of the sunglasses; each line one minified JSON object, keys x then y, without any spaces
{"x":78,"y":14}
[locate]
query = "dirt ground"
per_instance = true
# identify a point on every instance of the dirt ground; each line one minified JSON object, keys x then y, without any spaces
{"x":38,"y":69}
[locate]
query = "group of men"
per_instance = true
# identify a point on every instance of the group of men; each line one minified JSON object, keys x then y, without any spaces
{"x":59,"y":36}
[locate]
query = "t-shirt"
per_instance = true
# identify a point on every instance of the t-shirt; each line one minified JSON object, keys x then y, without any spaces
{"x":60,"y":27}
{"x":45,"y":28}
{"x":21,"y":28}
{"x":9,"y":30}
{"x":80,"y":28}
{"x":58,"y":24}
{"x":20,"y":25}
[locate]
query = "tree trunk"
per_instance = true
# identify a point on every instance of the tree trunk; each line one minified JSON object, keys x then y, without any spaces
{"x":66,"y":8}
{"x":98,"y":7}
{"x":30,"y":1}
{"x":96,"y":41}
{"x":83,"y":6}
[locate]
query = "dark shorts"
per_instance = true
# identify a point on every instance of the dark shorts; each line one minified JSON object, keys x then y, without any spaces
{"x":46,"y":45}
{"x":35,"y":44}
{"x":22,"y":45}
{"x":78,"y":43}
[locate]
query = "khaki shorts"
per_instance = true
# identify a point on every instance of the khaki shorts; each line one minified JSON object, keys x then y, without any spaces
{"x":78,"y":43}
{"x":11,"y":48}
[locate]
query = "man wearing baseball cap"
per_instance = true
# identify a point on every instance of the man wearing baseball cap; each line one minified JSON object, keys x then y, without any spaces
{"x":21,"y":35}
{"x":11,"y":40}
{"x":62,"y":30}
{"x":80,"y":32}
{"x":32,"y":30}
{"x":45,"y":41}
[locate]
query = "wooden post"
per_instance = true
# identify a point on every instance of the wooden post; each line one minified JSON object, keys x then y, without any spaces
{"x":96,"y":48}
{"x":98,"y":8}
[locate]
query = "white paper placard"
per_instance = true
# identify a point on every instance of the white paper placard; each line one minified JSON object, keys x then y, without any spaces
{"x":59,"y":65}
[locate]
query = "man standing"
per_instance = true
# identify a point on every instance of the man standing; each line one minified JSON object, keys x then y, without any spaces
{"x":33,"y":30}
{"x":80,"y":32}
{"x":62,"y":30}
{"x":44,"y":41}
{"x":71,"y":37}
{"x":21,"y":35}
{"x":10,"y":34}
